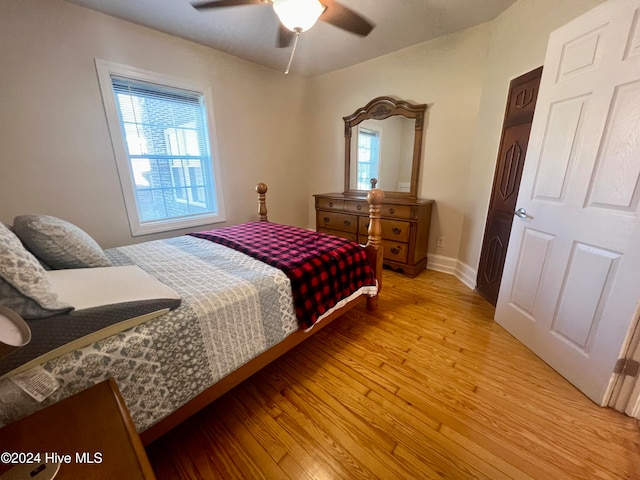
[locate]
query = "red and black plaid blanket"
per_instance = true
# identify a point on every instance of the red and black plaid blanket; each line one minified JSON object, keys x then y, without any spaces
{"x":323,"y":269}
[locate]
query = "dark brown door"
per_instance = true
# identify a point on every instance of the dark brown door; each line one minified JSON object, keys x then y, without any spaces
{"x":521,"y":102}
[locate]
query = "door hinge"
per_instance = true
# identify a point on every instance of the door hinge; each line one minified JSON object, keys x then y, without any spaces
{"x":627,"y":367}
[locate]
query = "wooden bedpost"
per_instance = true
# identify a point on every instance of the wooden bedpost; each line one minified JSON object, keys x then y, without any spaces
{"x":261,"y":188}
{"x":375,"y":197}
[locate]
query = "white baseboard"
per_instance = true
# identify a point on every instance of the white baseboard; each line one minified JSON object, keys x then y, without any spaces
{"x":467,"y":275}
{"x":453,"y":266}
{"x":443,"y":264}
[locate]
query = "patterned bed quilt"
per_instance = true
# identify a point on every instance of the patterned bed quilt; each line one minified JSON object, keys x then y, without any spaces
{"x":233,"y":308}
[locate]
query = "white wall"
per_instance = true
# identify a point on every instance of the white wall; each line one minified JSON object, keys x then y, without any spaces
{"x":56,"y":155}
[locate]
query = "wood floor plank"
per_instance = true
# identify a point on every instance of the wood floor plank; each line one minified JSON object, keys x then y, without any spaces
{"x":366,"y":429}
{"x":179,"y":461}
{"x":424,"y":443}
{"x":312,"y":364}
{"x":507,"y":470}
{"x":576,"y":445}
{"x":334,"y":457}
{"x":508,"y":419}
{"x":368,"y":445}
{"x":348,"y":441}
{"x":345,"y":354}
{"x":487,"y":435}
{"x":211,"y":440}
{"x":257,"y":421}
{"x":378,"y":335}
{"x":428,"y":386}
{"x":458,"y":470}
{"x":242,"y":458}
{"x":465,"y":428}
{"x":307,"y":460}
{"x":249,"y":446}
{"x":295,"y":471}
{"x":311,"y":436}
{"x":510,"y":374}
{"x":344,"y":368}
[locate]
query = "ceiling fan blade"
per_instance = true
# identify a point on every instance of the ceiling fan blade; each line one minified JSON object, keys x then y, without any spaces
{"x":342,"y":17}
{"x":285,"y":37}
{"x":225,"y":3}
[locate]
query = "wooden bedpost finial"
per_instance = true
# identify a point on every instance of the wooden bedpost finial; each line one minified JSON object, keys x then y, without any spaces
{"x":261,"y":188}
{"x":375,"y":197}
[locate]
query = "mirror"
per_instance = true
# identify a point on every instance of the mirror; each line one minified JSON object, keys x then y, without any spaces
{"x":383,"y":140}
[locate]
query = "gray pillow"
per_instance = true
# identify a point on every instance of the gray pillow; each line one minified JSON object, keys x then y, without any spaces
{"x":59,"y":243}
{"x":24,"y":286}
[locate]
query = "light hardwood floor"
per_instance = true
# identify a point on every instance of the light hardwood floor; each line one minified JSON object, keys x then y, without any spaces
{"x":426,"y":387}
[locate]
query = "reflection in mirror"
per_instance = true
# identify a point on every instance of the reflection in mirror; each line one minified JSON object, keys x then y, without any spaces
{"x":383,"y":150}
{"x":383,"y":140}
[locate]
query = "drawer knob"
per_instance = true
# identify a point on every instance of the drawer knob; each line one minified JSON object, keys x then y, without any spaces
{"x":326,"y":219}
{"x":396,"y":230}
{"x":347,"y":223}
{"x":395,"y":250}
{"x":359,"y":207}
{"x":392,"y":211}
{"x":331,"y":204}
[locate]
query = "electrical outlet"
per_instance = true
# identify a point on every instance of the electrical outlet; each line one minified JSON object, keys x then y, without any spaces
{"x":440,"y":241}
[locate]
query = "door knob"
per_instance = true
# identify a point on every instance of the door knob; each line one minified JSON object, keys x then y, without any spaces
{"x":521,"y":212}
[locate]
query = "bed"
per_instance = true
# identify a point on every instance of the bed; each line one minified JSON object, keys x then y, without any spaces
{"x":195,"y":315}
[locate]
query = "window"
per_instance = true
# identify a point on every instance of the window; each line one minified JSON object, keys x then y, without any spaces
{"x":160,"y":133}
{"x":368,"y":156}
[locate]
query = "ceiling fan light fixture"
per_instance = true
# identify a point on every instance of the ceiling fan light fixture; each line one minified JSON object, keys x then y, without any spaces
{"x":298,"y":15}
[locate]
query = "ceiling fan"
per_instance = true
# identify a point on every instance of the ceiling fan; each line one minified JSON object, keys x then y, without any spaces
{"x":297,"y":16}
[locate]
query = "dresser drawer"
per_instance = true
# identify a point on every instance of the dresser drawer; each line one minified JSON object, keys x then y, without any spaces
{"x":395,"y":230}
{"x":397,"y":211}
{"x":395,"y":251}
{"x":356,"y":207}
{"x":337,"y":221}
{"x":329,"y":204}
{"x":363,"y":225}
{"x":338,"y":233}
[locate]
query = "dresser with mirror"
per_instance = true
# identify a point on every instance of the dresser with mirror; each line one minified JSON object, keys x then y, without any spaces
{"x":383,"y":148}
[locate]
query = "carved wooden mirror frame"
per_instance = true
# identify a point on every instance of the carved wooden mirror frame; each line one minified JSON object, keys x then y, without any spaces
{"x":378,"y":109}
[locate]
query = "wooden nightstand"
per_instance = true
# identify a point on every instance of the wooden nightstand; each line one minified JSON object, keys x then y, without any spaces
{"x":93,"y":425}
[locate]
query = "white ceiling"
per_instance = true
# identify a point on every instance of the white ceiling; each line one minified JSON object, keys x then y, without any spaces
{"x":249,"y":31}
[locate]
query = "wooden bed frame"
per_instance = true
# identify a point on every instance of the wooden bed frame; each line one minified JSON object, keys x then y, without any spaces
{"x":374,"y":253}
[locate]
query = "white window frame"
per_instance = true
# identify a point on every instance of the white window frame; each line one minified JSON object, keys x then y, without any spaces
{"x":106,"y":70}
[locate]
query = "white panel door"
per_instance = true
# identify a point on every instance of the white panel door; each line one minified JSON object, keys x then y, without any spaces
{"x":571,"y":281}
